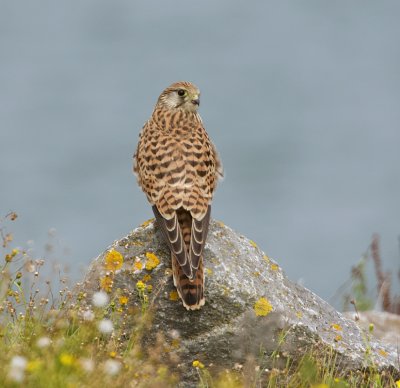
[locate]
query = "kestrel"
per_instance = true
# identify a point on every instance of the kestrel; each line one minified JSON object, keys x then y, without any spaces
{"x":177,"y":167}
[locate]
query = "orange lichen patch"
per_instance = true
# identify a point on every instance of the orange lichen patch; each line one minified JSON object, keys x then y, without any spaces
{"x":336,"y":327}
{"x":173,"y":295}
{"x":148,"y":222}
{"x":152,"y":261}
{"x":338,"y":338}
{"x":106,"y":283}
{"x":274,"y":267}
{"x":146,"y":278}
{"x":299,"y":314}
{"x":113,"y":260}
{"x":137,"y":266}
{"x":253,"y":244}
{"x":262,"y":307}
{"x":123,"y":300}
{"x":256,"y":274}
{"x":382,"y":352}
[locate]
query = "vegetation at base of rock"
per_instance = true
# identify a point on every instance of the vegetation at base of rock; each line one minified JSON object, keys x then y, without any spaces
{"x":49,"y":340}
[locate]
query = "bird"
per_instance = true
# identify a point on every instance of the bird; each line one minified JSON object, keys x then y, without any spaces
{"x":177,"y":166}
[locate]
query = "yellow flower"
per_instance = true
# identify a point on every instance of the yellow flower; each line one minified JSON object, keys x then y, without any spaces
{"x":371,"y":327}
{"x":66,"y":359}
{"x":137,"y":266}
{"x":266,"y":258}
{"x":336,"y":327}
{"x":140,"y":285}
{"x":106,"y":283}
{"x":198,"y":364}
{"x":173,"y":295}
{"x":398,"y":383}
{"x":113,"y":260}
{"x":262,"y":307}
{"x":152,"y":261}
{"x":123,"y":300}
{"x":10,"y":256}
{"x":113,"y":354}
{"x":149,"y":288}
{"x":33,"y":365}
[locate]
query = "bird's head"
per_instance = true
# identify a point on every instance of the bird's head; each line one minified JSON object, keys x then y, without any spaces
{"x":180,"y":95}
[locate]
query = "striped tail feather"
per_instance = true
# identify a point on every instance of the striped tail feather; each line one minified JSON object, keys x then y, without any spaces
{"x":186,"y":238}
{"x":191,"y":292}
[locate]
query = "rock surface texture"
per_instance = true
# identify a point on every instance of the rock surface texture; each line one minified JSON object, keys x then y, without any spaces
{"x":251,"y":308}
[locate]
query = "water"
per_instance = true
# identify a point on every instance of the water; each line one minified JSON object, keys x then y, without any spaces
{"x":301,"y":100}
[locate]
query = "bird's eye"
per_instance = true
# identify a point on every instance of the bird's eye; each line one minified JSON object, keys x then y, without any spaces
{"x":181,"y":92}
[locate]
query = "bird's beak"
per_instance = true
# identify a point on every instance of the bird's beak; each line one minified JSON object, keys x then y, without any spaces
{"x":196,"y":99}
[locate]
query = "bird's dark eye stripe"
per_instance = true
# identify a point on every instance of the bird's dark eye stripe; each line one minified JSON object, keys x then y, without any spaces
{"x":181,"y":92}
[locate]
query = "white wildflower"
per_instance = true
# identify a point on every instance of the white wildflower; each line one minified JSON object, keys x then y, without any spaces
{"x":112,"y":367}
{"x":88,"y":315}
{"x":43,"y":342}
{"x":100,"y":299}
{"x":106,"y":326}
{"x":16,"y":375}
{"x":87,"y":364}
{"x":18,"y":362}
{"x":17,"y":369}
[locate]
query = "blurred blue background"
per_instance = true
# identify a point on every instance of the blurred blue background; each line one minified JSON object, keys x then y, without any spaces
{"x":302,"y":100}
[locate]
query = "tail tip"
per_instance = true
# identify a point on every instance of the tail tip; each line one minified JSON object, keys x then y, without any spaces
{"x":194,"y":307}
